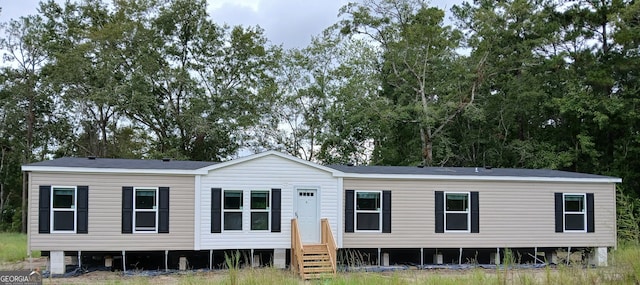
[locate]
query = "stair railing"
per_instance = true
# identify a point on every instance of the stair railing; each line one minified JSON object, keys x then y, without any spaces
{"x":297,"y":248}
{"x":327,"y":238}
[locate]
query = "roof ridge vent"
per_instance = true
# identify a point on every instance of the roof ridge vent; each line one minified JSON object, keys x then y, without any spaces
{"x":166,"y":159}
{"x":488,"y":167}
{"x":350,"y":164}
{"x":91,"y":157}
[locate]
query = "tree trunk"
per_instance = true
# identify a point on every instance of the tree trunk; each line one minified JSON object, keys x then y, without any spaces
{"x":104,"y":122}
{"x":2,"y":198}
{"x":427,"y":147}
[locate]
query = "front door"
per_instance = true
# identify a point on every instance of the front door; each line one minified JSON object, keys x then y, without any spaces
{"x":307,"y":214}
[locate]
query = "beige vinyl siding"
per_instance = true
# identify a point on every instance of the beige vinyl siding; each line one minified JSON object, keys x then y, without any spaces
{"x":105,"y":213}
{"x":512,"y":214}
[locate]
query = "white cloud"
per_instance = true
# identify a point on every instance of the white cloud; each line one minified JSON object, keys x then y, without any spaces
{"x":216,"y":4}
{"x":288,"y":22}
{"x":12,"y":9}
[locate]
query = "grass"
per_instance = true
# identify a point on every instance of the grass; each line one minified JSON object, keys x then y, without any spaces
{"x":624,"y":268}
{"x":13,"y":247}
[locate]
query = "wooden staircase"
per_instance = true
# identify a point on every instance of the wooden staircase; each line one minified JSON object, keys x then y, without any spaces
{"x":313,"y":261}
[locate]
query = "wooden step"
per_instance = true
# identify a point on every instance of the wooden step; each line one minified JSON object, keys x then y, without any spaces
{"x":312,"y":259}
{"x":318,"y":269}
{"x":317,"y":263}
{"x":316,"y":254}
{"x":308,"y":269}
{"x":319,"y":248}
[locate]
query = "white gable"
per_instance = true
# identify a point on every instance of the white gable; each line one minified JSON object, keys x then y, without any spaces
{"x":260,"y":172}
{"x":270,"y":153}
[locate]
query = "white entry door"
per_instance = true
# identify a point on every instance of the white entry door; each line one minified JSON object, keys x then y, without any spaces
{"x":307,"y":214}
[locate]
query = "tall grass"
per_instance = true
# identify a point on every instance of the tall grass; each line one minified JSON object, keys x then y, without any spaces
{"x":232,"y":263}
{"x":624,"y":268}
{"x":626,"y":261}
{"x":13,"y":247}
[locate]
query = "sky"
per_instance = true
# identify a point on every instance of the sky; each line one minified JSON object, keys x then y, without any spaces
{"x":291,"y":23}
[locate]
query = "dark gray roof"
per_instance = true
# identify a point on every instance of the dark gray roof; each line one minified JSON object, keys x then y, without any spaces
{"x":463,"y":171}
{"x":150,"y":164}
{"x":123,"y":163}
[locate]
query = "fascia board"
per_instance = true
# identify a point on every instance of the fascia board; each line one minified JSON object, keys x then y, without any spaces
{"x":110,"y":170}
{"x":478,"y":178}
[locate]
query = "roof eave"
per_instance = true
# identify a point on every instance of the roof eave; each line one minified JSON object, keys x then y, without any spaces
{"x":111,"y":170}
{"x":479,"y":178}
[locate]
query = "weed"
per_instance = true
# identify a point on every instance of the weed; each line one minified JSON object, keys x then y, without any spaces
{"x":232,"y":263}
{"x":354,"y":258}
{"x":13,"y":247}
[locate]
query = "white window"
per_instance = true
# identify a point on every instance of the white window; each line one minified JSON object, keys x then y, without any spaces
{"x":63,"y":209}
{"x":233,"y":210}
{"x":260,"y":210}
{"x":145,"y":210}
{"x":575,"y":214}
{"x":457,"y":216}
{"x":368,"y":212}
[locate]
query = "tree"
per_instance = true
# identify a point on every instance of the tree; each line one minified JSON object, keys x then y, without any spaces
{"x":196,"y":85}
{"x":421,"y":73}
{"x":358,"y":113}
{"x":30,"y":121}
{"x":325,"y":92}
{"x":515,"y":112}
{"x":87,"y":68}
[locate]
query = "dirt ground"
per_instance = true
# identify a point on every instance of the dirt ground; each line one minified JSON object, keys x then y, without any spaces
{"x":218,"y":277}
{"x":39,"y":262}
{"x":108,"y":277}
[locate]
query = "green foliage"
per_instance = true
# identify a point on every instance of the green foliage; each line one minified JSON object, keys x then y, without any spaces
{"x":427,"y":85}
{"x":628,"y":213}
{"x":13,"y":247}
{"x":515,"y":83}
{"x":625,"y":259}
{"x":232,"y":263}
{"x":624,"y":268}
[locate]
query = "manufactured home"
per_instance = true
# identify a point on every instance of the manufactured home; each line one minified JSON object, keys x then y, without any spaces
{"x":281,"y":210}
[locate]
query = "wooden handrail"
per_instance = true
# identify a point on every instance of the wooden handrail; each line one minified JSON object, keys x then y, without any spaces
{"x":327,"y":238}
{"x":297,"y":248}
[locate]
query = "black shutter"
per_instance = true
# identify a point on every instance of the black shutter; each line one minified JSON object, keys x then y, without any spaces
{"x":44,"y":210}
{"x":276,"y":195}
{"x":163,"y":210}
{"x":216,"y":210}
{"x":83,"y":210}
{"x":475,"y":213}
{"x":559,"y":214}
{"x":386,"y":211}
{"x":348,"y":211}
{"x":590,"y":213}
{"x":439,"y":212}
{"x":127,"y":210}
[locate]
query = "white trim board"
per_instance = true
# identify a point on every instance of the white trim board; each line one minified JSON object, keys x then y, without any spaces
{"x":478,"y":178}
{"x":109,"y":170}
